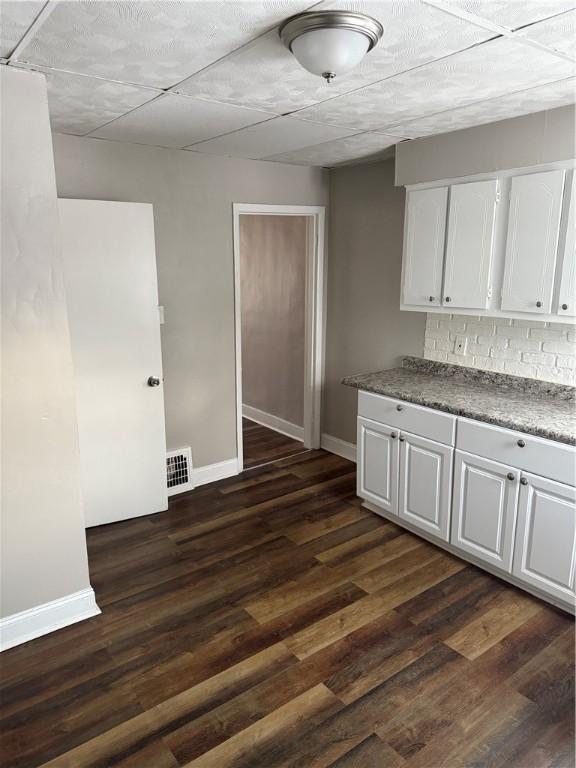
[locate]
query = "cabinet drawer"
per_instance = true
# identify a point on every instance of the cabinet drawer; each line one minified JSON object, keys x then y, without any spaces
{"x":517,"y":449}
{"x":405,"y":416}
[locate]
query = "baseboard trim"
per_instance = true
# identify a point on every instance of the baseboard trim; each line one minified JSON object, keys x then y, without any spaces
{"x":339,"y":447}
{"x":273,"y":422}
{"x":48,"y":617}
{"x":213,"y":472}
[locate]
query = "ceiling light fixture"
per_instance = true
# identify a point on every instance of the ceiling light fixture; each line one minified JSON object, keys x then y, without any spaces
{"x":330,"y":43}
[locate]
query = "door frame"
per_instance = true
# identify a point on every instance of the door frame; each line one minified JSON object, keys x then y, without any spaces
{"x":315,"y":314}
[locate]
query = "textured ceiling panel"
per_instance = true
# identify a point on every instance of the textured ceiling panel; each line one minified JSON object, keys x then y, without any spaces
{"x":509,"y":13}
{"x":332,"y":153}
{"x":177,"y":121}
{"x":151,"y":43}
{"x":280,"y":135}
{"x":414,"y":34}
{"x":80,"y":104}
{"x":15,"y":18}
{"x":484,"y":72}
{"x":547,"y":96}
{"x":558,"y":33}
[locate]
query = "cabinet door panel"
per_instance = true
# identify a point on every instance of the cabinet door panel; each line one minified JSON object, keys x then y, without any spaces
{"x":425,"y":484}
{"x":567,"y":293}
{"x":484,"y":509}
{"x":424,"y":246}
{"x":532,"y":242}
{"x":545,"y":547}
{"x":378,"y":464}
{"x":471,"y":219}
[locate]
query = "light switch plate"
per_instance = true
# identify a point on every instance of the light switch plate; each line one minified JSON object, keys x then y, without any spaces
{"x":460,"y":345}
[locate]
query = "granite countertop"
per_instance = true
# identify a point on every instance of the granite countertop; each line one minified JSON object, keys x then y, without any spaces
{"x":536,"y":407}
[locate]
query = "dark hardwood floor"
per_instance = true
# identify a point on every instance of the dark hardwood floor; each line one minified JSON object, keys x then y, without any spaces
{"x":268,"y":620}
{"x":263,"y":445}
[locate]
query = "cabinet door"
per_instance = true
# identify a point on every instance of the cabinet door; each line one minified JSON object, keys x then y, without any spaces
{"x":471,"y":219}
{"x":567,"y":293}
{"x":545,"y":546}
{"x":484,"y":509}
{"x":425,"y":484}
{"x":424,"y":246}
{"x":532,"y":242}
{"x":378,"y":464}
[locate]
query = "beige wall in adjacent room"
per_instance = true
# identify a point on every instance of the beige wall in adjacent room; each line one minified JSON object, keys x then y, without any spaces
{"x":43,"y":540}
{"x":365,"y":329}
{"x":520,"y":142}
{"x":273,"y":253}
{"x":192,"y":196}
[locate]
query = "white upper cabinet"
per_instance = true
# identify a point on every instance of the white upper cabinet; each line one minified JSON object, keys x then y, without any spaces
{"x":424,"y":246}
{"x":532,"y":242}
{"x":470,"y":244}
{"x":567,"y":293}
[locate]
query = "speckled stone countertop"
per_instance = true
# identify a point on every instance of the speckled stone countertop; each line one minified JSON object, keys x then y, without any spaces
{"x":535,"y":407}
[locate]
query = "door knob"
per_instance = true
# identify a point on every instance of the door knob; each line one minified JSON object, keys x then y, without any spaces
{"x":153,"y":381}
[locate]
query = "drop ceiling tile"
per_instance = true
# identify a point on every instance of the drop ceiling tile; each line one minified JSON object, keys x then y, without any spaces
{"x":547,"y":96}
{"x":15,"y":18}
{"x":558,"y":33}
{"x":509,"y":13}
{"x":178,"y":121}
{"x":80,"y":104}
{"x":486,"y":71}
{"x":282,"y":134}
{"x":332,"y":153}
{"x":265,"y":75}
{"x":153,"y":43}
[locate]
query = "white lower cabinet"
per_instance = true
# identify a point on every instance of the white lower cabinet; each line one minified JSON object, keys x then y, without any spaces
{"x":425,"y":484}
{"x":545,"y":552}
{"x":484,"y":509}
{"x":520,"y":524}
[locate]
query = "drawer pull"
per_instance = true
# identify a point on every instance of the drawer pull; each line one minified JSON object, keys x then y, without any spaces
{"x":393,"y":435}
{"x":523,"y":481}
{"x":511,"y":476}
{"x":399,"y":407}
{"x":521,"y":443}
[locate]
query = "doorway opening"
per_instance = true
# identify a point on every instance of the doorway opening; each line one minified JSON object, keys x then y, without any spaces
{"x":279,"y":289}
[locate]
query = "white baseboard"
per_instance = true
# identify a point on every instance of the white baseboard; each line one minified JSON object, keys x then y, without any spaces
{"x":212,"y":472}
{"x":48,"y":617}
{"x":273,"y":422}
{"x":339,"y":447}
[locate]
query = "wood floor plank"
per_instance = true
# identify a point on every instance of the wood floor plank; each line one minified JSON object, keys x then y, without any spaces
{"x":270,"y":621}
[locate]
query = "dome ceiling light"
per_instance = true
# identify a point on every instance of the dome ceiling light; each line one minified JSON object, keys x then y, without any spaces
{"x":330,"y":43}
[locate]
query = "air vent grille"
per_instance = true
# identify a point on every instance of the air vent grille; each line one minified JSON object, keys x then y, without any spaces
{"x":179,"y":471}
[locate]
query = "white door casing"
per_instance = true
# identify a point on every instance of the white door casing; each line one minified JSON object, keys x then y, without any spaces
{"x":112,"y":297}
{"x":470,"y":244}
{"x":424,"y":236}
{"x":484,"y":509}
{"x":532,"y":242}
{"x":377,"y":477}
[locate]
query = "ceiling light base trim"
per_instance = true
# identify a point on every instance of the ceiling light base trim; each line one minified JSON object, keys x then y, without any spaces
{"x":307,"y":22}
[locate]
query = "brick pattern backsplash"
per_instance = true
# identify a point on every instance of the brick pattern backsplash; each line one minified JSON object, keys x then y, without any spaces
{"x":529,"y":348}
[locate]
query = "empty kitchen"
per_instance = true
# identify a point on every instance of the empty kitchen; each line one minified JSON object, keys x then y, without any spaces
{"x":288,"y":351}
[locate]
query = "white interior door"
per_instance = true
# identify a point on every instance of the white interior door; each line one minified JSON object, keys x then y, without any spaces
{"x":112,"y":297}
{"x":471,"y":220}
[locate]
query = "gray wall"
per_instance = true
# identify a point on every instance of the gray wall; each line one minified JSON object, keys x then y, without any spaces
{"x":273,"y":253}
{"x":521,"y":141}
{"x":192,"y":196}
{"x":43,"y":540}
{"x":365,"y":329}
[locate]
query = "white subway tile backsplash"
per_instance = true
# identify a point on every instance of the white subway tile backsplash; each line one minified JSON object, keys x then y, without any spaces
{"x":537,"y":349}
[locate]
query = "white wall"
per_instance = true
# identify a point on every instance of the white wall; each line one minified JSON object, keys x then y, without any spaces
{"x":43,"y":539}
{"x":192,"y":196}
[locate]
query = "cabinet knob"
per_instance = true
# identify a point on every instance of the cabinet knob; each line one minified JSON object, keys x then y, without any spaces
{"x":510,"y":475}
{"x":447,"y":298}
{"x":521,"y":443}
{"x":523,"y":481}
{"x":399,"y":407}
{"x":538,"y":303}
{"x":430,"y":298}
{"x":402,"y":439}
{"x":564,"y":307}
{"x":393,"y":435}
